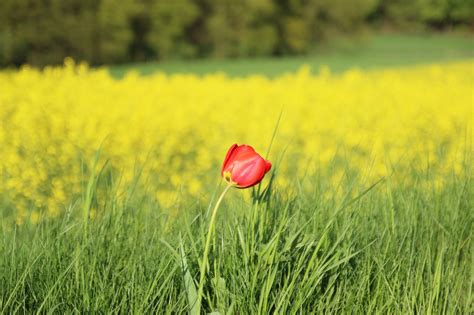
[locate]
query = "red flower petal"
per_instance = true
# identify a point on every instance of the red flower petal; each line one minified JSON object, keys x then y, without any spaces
{"x":268,"y":166}
{"x":228,"y":155}
{"x":249,"y":172}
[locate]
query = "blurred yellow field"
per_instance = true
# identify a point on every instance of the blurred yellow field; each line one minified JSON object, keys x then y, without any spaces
{"x":179,"y":126}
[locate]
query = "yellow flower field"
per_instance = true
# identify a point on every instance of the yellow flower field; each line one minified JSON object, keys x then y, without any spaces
{"x":177,"y":128}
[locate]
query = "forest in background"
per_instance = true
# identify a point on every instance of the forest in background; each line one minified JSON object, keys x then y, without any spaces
{"x":112,"y":31}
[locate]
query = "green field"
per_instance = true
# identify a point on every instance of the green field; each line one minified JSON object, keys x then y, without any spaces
{"x":377,"y":51}
{"x":389,"y":249}
{"x":335,"y":242}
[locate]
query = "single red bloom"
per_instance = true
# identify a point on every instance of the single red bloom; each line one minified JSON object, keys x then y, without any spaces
{"x":243,"y":167}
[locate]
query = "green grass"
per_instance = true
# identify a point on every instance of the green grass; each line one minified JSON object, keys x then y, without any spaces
{"x":344,"y":247}
{"x":380,"y":51}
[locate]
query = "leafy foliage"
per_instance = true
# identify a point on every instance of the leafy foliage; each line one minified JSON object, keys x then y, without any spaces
{"x":112,"y":31}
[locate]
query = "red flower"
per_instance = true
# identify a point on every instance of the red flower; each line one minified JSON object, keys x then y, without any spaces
{"x":243,"y":167}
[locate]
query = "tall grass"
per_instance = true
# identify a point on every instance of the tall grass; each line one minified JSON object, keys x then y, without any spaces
{"x":349,"y":248}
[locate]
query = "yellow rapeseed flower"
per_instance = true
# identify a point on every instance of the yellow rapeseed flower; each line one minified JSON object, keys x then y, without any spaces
{"x":175,"y":128}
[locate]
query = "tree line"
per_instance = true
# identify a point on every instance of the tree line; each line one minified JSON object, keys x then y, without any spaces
{"x":42,"y":32}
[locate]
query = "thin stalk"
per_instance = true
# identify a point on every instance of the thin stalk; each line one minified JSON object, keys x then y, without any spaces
{"x":207,"y":247}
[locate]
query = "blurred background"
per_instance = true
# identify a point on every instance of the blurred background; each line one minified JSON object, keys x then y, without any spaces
{"x":44,"y":32}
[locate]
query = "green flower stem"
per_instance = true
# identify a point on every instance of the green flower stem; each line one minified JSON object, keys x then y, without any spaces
{"x":207,"y":247}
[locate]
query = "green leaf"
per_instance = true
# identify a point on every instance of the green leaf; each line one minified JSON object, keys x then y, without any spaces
{"x":189,"y":283}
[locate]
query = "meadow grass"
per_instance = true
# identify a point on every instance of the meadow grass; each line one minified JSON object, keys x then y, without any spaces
{"x":380,"y":228}
{"x":354,"y":247}
{"x":382,"y":50}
